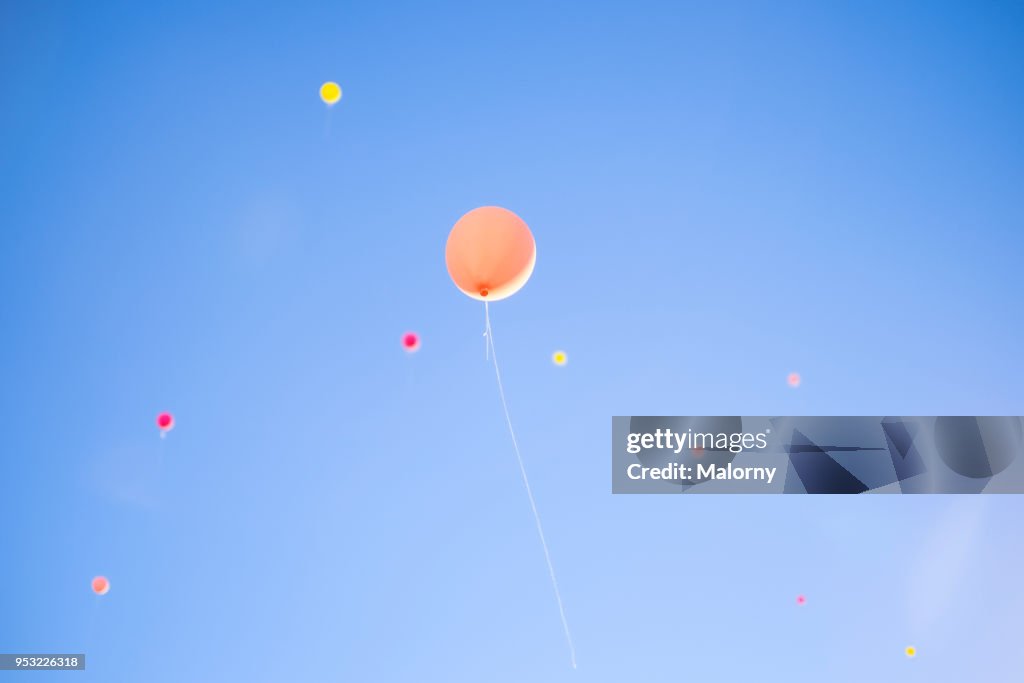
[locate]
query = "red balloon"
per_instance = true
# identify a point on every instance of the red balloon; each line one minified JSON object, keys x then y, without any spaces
{"x":165,"y":421}
{"x":411,"y":341}
{"x":100,"y":585}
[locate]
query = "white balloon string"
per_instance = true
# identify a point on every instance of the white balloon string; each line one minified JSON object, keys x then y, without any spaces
{"x":526,"y":482}
{"x":487,"y":332}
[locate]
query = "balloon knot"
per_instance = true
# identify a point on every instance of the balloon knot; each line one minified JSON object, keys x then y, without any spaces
{"x":483,"y":292}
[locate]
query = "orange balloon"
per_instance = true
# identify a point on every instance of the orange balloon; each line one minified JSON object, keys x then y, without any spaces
{"x":490,"y":253}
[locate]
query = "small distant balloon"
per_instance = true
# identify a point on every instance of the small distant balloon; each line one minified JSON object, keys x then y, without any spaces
{"x":100,"y":585}
{"x":911,"y":651}
{"x":330,"y":93}
{"x":559,"y":358}
{"x":794,"y":379}
{"x":801,"y":600}
{"x":165,"y":421}
{"x":411,"y":342}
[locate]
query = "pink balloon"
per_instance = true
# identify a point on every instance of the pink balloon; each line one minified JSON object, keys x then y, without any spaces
{"x":165,"y":421}
{"x":794,"y":379}
{"x":411,"y":342}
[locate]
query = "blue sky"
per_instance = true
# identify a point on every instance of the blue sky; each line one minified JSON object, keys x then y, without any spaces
{"x":721,"y":193}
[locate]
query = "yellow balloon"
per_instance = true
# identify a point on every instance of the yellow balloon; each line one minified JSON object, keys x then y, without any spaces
{"x":559,"y":358}
{"x":911,"y":651}
{"x":330,"y":92}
